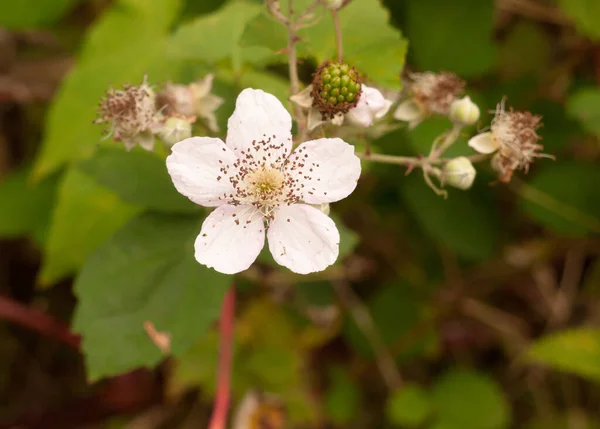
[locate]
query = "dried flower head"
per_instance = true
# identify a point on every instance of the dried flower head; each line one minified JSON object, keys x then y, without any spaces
{"x":513,"y":136}
{"x":131,"y":115}
{"x":429,"y":93}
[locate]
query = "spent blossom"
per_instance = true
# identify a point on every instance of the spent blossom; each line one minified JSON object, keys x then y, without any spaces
{"x":514,"y":139}
{"x":131,"y":115}
{"x":429,"y":93}
{"x":191,"y":101}
{"x":259,"y":187}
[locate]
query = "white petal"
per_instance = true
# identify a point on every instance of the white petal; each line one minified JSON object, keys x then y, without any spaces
{"x":258,"y":122}
{"x":303,"y":98}
{"x":303,"y":239}
{"x":371,"y":105}
{"x":314,"y":119}
{"x":195,"y":166}
{"x":205,"y":109}
{"x":325,"y":170}
{"x":484,"y":143}
{"x":203,"y":87}
{"x":338,"y":119}
{"x":231,"y":238}
{"x":409,"y":111}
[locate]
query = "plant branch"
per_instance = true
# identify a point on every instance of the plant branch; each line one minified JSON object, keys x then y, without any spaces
{"x":226,"y":325}
{"x":35,"y":320}
{"x":363,"y":319}
{"x":338,"y":35}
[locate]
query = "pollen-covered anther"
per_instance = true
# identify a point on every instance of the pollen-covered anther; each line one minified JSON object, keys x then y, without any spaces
{"x":336,"y":88}
{"x":435,"y":92}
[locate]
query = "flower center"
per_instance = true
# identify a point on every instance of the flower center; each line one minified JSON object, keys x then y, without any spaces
{"x":265,"y":184}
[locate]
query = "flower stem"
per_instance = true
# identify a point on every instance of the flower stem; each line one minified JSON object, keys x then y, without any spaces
{"x":410,"y":161}
{"x":446,"y":143}
{"x":226,"y":324}
{"x":338,"y":35}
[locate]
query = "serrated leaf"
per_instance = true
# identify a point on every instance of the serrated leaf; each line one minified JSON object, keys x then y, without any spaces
{"x":145,"y":272}
{"x":464,"y":222}
{"x":468,"y":399}
{"x":585,"y":14}
{"x":107,"y":59}
{"x":138,"y":177}
{"x":25,"y":14}
{"x":409,"y":406}
{"x":584,"y":106}
{"x":576,"y":351}
{"x":216,"y":37}
{"x":453,"y":36}
{"x":85,"y":215}
{"x":26,"y":207}
{"x":563,"y":198}
{"x":371,"y":43}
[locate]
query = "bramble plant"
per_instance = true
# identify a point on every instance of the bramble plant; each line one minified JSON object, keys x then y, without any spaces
{"x":237,"y":155}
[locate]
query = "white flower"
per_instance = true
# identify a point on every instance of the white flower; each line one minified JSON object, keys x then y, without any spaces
{"x":371,"y":106}
{"x":259,"y":187}
{"x":193,"y":100}
{"x":513,"y":136}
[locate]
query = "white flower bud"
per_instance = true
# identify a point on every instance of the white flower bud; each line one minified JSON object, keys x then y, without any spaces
{"x":174,"y":130}
{"x":333,"y":4}
{"x":459,"y":172}
{"x":464,"y":111}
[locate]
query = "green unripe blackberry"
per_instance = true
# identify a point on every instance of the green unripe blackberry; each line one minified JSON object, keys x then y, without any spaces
{"x":336,"y":88}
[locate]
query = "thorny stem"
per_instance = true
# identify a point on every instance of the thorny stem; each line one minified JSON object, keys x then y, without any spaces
{"x":338,"y":35}
{"x":446,"y":142}
{"x":226,"y":324}
{"x":363,"y":319}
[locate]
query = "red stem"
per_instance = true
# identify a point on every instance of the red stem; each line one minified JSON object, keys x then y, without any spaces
{"x":219,"y":417}
{"x":35,"y":320}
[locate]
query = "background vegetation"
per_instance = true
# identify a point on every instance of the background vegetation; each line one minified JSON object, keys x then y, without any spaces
{"x":476,"y":312}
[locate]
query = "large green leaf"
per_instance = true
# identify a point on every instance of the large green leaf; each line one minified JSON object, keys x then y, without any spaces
{"x":146,"y":272}
{"x":122,"y":46}
{"x":467,"y":399}
{"x":585,"y":14}
{"x":576,"y":351}
{"x":26,"y":207}
{"x":452,"y":35}
{"x":564,"y":198}
{"x":466,"y":223}
{"x":139,"y":177}
{"x":32,"y":13}
{"x":409,"y":406}
{"x":371,"y":43}
{"x":85,"y":215}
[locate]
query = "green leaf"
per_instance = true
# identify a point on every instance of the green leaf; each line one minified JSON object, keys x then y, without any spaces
{"x":465,"y":221}
{"x":585,"y":14}
{"x":468,"y":399}
{"x":454,"y":36}
{"x":409,"y":406}
{"x":146,"y":272}
{"x":214,"y":37}
{"x":85,"y":215}
{"x":584,"y":106}
{"x":107,"y":59}
{"x":371,"y":43}
{"x":576,"y":351}
{"x":26,"y":207}
{"x":342,"y":399}
{"x":564,"y":198}
{"x":525,"y":51}
{"x":264,"y":30}
{"x":138,"y":177}
{"x":22,"y":14}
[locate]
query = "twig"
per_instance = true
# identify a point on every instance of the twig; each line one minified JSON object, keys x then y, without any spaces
{"x":226,"y":324}
{"x":363,"y":319}
{"x":28,"y":317}
{"x":338,"y":35}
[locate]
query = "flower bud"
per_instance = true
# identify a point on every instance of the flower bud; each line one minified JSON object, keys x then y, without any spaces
{"x":332,"y":4}
{"x":459,"y":172}
{"x":336,"y":88}
{"x":464,"y":111}
{"x":174,"y":130}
